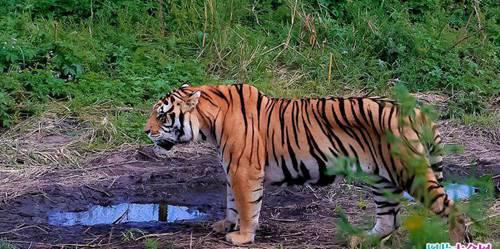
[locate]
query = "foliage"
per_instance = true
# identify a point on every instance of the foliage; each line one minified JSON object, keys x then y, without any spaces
{"x":5,"y":245}
{"x":132,"y":234}
{"x":151,"y":244}
{"x":418,"y":222}
{"x":130,"y":52}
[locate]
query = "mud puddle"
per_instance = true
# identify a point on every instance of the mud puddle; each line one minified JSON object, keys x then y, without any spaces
{"x":133,"y":194}
{"x":455,"y":191}
{"x":125,"y":213}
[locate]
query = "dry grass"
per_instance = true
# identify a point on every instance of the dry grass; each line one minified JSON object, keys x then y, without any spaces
{"x":58,"y":138}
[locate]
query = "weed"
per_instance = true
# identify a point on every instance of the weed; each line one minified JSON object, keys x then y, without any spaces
{"x":132,"y":234}
{"x":151,"y":244}
{"x":6,"y":245}
{"x":488,"y":120}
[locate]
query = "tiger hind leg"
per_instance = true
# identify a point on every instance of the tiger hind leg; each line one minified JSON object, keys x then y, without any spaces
{"x":388,"y":201}
{"x":230,"y":222}
{"x":248,"y":195}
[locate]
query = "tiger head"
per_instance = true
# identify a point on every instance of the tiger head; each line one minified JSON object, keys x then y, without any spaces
{"x":172,"y":120}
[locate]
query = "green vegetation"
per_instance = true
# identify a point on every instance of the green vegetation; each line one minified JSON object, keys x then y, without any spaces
{"x":488,"y":120}
{"x":5,"y":245}
{"x":125,"y":54}
{"x":151,"y":244}
{"x":420,"y":225}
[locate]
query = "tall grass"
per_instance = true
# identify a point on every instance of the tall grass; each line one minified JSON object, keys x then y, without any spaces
{"x":129,"y":53}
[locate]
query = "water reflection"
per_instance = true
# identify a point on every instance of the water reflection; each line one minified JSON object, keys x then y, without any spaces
{"x":124,"y":212}
{"x":455,"y":192}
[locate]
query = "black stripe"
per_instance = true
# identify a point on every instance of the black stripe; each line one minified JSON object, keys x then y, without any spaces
{"x":220,"y":94}
{"x":384,"y":204}
{"x":369,"y":143}
{"x":286,"y":173}
{"x":251,"y":139}
{"x":380,"y":114}
{"x":209,"y":99}
{"x":259,"y":106}
{"x":229,"y":164}
{"x":181,"y":129}
{"x":257,"y":189}
{"x":349,"y":131}
{"x":257,"y":201}
{"x":390,"y":212}
{"x":437,"y":166}
{"x":295,"y":123}
{"x":239,"y":89}
{"x":291,"y":153}
{"x":435,"y":198}
{"x":203,"y":137}
{"x":432,"y":187}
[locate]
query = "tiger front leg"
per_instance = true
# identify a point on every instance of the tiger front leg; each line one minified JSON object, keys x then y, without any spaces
{"x":230,"y":223}
{"x":387,"y":197}
{"x":248,"y":192}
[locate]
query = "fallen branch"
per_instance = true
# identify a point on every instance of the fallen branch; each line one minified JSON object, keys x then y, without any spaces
{"x":283,"y":220}
{"x":155,"y":235}
{"x":98,"y":190}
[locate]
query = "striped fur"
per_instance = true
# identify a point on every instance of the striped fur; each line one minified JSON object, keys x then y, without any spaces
{"x":279,"y":141}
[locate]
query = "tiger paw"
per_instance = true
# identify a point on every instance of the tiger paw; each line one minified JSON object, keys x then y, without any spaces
{"x":355,"y":242}
{"x":458,"y":230}
{"x":223,"y":226}
{"x":237,"y":238}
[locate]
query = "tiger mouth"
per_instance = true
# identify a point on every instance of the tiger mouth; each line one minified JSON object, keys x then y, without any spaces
{"x":167,"y":145}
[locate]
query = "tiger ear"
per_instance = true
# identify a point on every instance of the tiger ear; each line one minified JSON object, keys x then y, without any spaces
{"x":185,"y":85}
{"x":192,"y":101}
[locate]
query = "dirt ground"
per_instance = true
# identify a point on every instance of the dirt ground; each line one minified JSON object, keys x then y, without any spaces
{"x":293,"y":217}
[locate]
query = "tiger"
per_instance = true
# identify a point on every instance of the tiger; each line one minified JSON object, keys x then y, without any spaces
{"x":263,"y":140}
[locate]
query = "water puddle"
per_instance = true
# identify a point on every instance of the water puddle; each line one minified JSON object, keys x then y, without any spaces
{"x":455,"y":192}
{"x":124,"y":212}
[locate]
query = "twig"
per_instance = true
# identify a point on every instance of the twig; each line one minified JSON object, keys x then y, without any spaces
{"x":22,"y":228}
{"x":110,"y":235}
{"x":161,"y":17}
{"x":154,"y":235}
{"x":119,"y":219}
{"x":58,"y":245}
{"x":98,"y":190}
{"x":292,"y":234}
{"x":147,"y":155}
{"x":191,"y":240}
{"x":283,"y":220}
{"x":289,"y":36}
{"x":483,"y":219}
{"x":113,"y":182}
{"x":330,"y":68}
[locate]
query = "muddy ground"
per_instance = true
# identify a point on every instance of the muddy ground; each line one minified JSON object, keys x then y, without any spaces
{"x":290,"y":215}
{"x":294,"y":217}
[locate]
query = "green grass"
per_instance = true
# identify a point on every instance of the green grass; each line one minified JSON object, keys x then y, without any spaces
{"x":128,"y":53}
{"x":151,"y":244}
{"x":5,"y":245}
{"x":487,"y":120}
